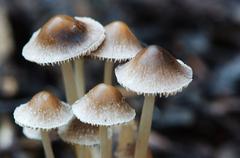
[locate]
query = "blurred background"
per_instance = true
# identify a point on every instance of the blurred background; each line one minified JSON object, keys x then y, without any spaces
{"x":201,"y":122}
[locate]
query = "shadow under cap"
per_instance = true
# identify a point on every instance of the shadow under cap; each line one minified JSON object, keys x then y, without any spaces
{"x":77,"y":132}
{"x":120,"y":43}
{"x":154,"y":71}
{"x":62,"y":30}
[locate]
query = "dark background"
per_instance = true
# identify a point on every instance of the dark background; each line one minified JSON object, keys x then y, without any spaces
{"x":201,"y":122}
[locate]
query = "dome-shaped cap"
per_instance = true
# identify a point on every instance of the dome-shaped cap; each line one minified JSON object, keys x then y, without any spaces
{"x":63,"y":38}
{"x":154,"y":71}
{"x":103,"y":105}
{"x":120,"y":43}
{"x":77,"y":132}
{"x":44,"y":111}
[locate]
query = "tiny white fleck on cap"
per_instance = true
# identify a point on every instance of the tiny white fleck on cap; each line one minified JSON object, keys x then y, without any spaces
{"x":154,"y":71}
{"x":103,"y":105}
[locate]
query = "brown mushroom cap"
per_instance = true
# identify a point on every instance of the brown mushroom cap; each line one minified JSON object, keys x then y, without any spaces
{"x":64,"y":38}
{"x":154,"y":71}
{"x":79,"y":133}
{"x":103,"y":105}
{"x":44,"y":111}
{"x":62,"y":30}
{"x":120,"y":43}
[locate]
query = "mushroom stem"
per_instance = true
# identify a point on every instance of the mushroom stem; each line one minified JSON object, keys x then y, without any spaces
{"x":144,"y":128}
{"x":104,"y":142}
{"x":71,"y":94}
{"x":80,"y":151}
{"x":69,"y":84}
{"x":108,"y":70}
{"x":79,"y":76}
{"x":47,"y":144}
{"x":126,"y":135}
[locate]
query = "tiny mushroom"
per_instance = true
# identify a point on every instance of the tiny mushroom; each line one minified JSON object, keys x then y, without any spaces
{"x":43,"y":112}
{"x":119,"y":45}
{"x":104,"y":106}
{"x":81,"y":135}
{"x":152,"y":71}
{"x":61,"y":39}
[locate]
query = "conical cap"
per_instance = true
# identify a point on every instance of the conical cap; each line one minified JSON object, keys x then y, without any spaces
{"x":44,"y":111}
{"x":154,"y":71}
{"x":77,"y":132}
{"x":63,"y":38}
{"x":103,"y":105}
{"x":120,"y":43}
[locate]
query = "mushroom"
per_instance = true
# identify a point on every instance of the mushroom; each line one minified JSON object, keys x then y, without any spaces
{"x":79,"y":134}
{"x":152,"y":71}
{"x":104,"y":106}
{"x":120,"y":45}
{"x":61,"y":39}
{"x":43,"y":112}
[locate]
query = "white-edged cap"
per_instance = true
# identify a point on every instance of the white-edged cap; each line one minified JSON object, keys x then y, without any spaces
{"x":64,"y":38}
{"x":120,"y":43}
{"x":154,"y":71}
{"x":77,"y":132}
{"x":36,"y":134}
{"x":103,"y":105}
{"x":44,"y":111}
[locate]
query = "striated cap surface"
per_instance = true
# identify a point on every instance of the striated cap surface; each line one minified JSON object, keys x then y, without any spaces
{"x":154,"y":71}
{"x":64,"y":38}
{"x":44,"y":111}
{"x":77,"y":132}
{"x":103,"y":105}
{"x":120,"y":43}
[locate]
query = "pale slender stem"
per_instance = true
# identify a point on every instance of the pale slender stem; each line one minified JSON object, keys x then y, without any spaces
{"x":80,"y":151}
{"x":80,"y":86}
{"x":104,"y":142}
{"x":69,"y":84}
{"x":88,"y":152}
{"x":144,"y":128}
{"x":108,"y":70}
{"x":71,"y":95}
{"x":47,"y":145}
{"x":95,"y":152}
{"x":79,"y":77}
{"x":127,"y":134}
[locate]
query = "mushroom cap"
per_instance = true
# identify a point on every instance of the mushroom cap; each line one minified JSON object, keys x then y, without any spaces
{"x":32,"y":133}
{"x":77,"y":132}
{"x":44,"y":111}
{"x":103,"y":105}
{"x":64,"y":38}
{"x":120,"y":43}
{"x":36,"y":134}
{"x":154,"y":71}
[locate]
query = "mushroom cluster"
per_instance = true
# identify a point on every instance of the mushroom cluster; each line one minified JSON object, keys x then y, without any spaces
{"x":86,"y":120}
